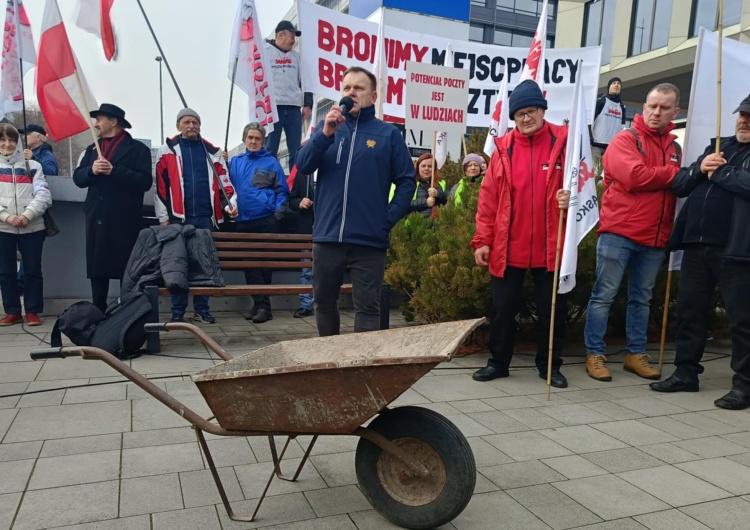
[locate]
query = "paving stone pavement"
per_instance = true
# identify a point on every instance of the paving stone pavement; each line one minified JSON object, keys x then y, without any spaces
{"x":84,"y":449}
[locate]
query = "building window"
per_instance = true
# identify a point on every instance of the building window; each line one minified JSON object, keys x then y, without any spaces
{"x":599,"y":25}
{"x":476,"y":32}
{"x":480,"y":3}
{"x":650,"y":25}
{"x":527,"y":7}
{"x":706,"y":14}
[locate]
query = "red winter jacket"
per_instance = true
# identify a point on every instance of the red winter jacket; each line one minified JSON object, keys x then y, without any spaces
{"x":496,"y":204}
{"x":638,"y":202}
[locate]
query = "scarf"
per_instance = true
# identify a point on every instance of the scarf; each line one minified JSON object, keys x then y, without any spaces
{"x":110,"y":145}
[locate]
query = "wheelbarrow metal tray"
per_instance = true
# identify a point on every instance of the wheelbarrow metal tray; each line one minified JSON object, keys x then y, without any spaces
{"x":325,"y":385}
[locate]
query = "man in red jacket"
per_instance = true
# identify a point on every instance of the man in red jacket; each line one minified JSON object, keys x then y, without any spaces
{"x":635,"y":221}
{"x":516,"y":230}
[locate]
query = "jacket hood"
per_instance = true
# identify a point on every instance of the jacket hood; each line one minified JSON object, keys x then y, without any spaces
{"x":43,"y":147}
{"x":15,"y":158}
{"x":640,"y":125}
{"x":257,"y":154}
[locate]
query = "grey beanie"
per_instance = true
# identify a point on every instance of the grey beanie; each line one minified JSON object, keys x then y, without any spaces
{"x":187,"y":112}
{"x":472,"y":157}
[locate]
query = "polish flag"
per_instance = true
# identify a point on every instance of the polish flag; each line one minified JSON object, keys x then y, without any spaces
{"x":499,"y":120}
{"x":62,"y":92}
{"x":93,"y":17}
{"x":18,"y":43}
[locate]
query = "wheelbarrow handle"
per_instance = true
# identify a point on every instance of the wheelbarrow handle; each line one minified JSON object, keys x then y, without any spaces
{"x":48,"y":353}
{"x":155,"y":327}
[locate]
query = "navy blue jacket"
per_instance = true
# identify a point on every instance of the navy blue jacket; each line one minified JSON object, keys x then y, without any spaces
{"x":260,"y":185}
{"x":356,"y":167}
{"x":44,"y":155}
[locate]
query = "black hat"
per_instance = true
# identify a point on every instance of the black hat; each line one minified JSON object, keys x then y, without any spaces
{"x":32,"y":127}
{"x":526,"y":94}
{"x":285,"y":25}
{"x":609,"y":83}
{"x":744,"y":106}
{"x":112,"y":111}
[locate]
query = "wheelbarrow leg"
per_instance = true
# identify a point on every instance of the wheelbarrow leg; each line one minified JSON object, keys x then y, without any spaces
{"x":276,"y":460}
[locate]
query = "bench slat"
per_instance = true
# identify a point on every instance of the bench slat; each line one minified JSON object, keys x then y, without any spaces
{"x":255,"y":245}
{"x":247,"y":264}
{"x":242,"y":236}
{"x":248,"y":290}
{"x":238,"y":254}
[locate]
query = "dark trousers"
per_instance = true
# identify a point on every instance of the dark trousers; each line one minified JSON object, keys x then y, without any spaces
{"x":30,"y":246}
{"x":100,"y":292}
{"x":200,"y":302}
{"x":265,"y":225}
{"x":367,"y":268}
{"x":704,"y":266}
{"x":507,"y":294}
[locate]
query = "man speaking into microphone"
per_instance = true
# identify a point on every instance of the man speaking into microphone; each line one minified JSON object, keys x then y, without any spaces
{"x":357,"y":157}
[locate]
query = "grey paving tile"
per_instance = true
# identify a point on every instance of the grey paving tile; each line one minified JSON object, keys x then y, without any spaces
{"x":46,"y":393}
{"x":650,"y":406}
{"x":253,"y":478}
{"x":585,"y":396}
{"x":619,"y":524}
{"x":281,"y":509}
{"x":574,"y":414}
{"x":486,"y":454}
{"x":8,"y":506}
{"x":199,"y":488}
{"x":553,"y":507}
{"x":533,"y":418}
{"x":693,"y":401}
{"x":490,"y":509}
{"x":504,"y":404}
{"x":6,"y":418}
{"x":739,"y":420}
{"x":19,"y":372}
{"x":634,"y":432}
{"x":455,"y":387}
{"x":484,"y":485}
{"x":446,"y":409}
{"x":149,"y":414}
{"x":93,"y":394}
{"x":613,"y":410}
{"x":19,"y":451}
{"x":722,"y":472}
{"x":160,"y":460}
{"x":629,"y":391}
{"x":204,"y":518}
{"x":86,"y":444}
{"x":371,"y":520}
{"x":541,"y":399}
{"x":741,"y":438}
{"x":337,"y":469}
{"x":335,"y":522}
{"x":74,"y":368}
{"x":262,"y":451}
{"x":335,"y":501}
{"x":673,"y":485}
{"x":726,"y":514}
{"x":498,"y":422}
{"x":174,"y":435}
{"x":676,"y":428}
{"x":139,"y":522}
{"x":231,"y":452}
{"x":669,"y":453}
{"x":472,"y":405}
{"x":711,"y":447}
{"x":520,"y":474}
{"x":707,"y":423}
{"x":521,"y":383}
{"x":10,"y":389}
{"x":70,"y":470}
{"x":619,"y":460}
{"x":69,"y":421}
{"x":15,"y":475}
{"x":526,"y":446}
{"x":332,"y":444}
{"x":574,"y":466}
{"x":610,"y":497}
{"x":469,"y":426}
{"x":669,"y":520}
{"x":158,"y":493}
{"x":66,"y":506}
{"x":133,"y":391}
{"x":582,"y":439}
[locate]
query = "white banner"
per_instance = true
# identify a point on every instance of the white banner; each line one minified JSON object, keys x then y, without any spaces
{"x":17,"y":41}
{"x":701,"y":120}
{"x":436,"y":97}
{"x":333,"y":41}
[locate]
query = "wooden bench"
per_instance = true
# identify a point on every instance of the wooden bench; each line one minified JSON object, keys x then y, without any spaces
{"x":240,"y":252}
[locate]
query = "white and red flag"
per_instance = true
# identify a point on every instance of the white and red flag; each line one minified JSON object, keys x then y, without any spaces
{"x":93,"y":17}
{"x":500,"y":119}
{"x":62,"y":92}
{"x":441,"y":138}
{"x":17,"y":42}
{"x":249,"y":68}
{"x":583,"y":211}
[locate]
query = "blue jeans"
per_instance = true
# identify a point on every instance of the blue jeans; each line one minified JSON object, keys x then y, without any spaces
{"x":615,"y":254}
{"x":290,"y":119}
{"x":180,"y":301}
{"x":30,"y":246}
{"x":305,"y":278}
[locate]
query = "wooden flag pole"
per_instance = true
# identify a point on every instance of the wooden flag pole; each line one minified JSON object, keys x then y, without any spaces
{"x":554,"y":304}
{"x":433,"y":180}
{"x":229,"y":110}
{"x":718,"y":77}
{"x":87,"y":118}
{"x":463,"y":142}
{"x":664,"y":321}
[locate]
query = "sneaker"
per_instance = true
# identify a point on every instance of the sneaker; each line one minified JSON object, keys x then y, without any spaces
{"x":596,"y":367}
{"x":32,"y":319}
{"x":262,"y":315}
{"x":640,"y":365}
{"x":303,"y":312}
{"x":9,"y":320}
{"x":177,"y":318}
{"x":204,"y":317}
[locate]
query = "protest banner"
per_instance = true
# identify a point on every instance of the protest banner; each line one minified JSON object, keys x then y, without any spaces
{"x":436,"y":97}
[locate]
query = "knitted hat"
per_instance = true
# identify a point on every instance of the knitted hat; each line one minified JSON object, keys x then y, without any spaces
{"x":609,"y":83}
{"x":472,"y":157}
{"x":187,"y":112}
{"x":526,"y":94}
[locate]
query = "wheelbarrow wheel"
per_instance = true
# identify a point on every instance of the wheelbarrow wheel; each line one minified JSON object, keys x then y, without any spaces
{"x":396,"y":492}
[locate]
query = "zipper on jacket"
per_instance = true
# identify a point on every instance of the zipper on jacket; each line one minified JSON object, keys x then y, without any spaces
{"x":346,"y":179}
{"x":341,"y":146}
{"x":531,"y":235}
{"x":15,"y":191}
{"x":663,"y":197}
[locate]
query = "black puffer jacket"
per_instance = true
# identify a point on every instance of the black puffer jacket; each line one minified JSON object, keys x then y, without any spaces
{"x":174,"y":256}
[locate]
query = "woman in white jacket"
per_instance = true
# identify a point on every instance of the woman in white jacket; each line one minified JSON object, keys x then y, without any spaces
{"x":24,"y":197}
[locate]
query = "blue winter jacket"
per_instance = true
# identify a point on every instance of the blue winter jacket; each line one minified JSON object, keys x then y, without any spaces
{"x":260,"y":185}
{"x":356,"y":167}
{"x":44,"y":155}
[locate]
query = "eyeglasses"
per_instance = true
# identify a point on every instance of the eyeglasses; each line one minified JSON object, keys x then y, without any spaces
{"x":520,"y":116}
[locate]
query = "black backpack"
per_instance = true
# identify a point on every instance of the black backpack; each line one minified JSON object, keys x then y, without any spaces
{"x":119,"y":330}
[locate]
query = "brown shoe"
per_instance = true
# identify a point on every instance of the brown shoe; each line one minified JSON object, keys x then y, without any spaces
{"x":640,"y":365}
{"x":596,"y":367}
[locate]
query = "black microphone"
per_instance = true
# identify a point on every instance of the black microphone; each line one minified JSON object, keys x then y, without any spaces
{"x":346,"y":105}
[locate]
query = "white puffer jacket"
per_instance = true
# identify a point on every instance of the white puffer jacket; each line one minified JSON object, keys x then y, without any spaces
{"x":21,"y":194}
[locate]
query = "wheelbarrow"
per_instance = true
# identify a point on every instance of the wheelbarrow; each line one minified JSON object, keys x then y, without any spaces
{"x":413,"y":465}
